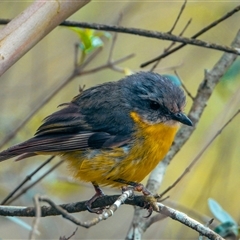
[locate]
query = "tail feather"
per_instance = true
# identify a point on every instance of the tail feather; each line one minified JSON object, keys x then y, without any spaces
{"x":25,"y":155}
{"x":49,"y":144}
{"x":14,"y":151}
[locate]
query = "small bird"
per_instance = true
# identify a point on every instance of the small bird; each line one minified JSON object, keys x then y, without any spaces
{"x":112,"y":134}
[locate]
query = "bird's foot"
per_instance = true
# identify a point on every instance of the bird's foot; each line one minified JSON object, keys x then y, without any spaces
{"x":150,"y":205}
{"x":99,"y":193}
{"x":150,"y":202}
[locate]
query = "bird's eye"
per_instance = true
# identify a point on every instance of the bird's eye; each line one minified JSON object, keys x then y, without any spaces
{"x":154,"y":105}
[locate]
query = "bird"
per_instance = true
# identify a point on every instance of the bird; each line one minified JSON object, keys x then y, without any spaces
{"x":112,"y":134}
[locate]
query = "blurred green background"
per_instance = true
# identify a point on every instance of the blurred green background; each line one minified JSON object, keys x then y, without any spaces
{"x":50,"y":62}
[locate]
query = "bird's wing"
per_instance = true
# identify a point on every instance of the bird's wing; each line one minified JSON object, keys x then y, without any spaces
{"x":65,"y":131}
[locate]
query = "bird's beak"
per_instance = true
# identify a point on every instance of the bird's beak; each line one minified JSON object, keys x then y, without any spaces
{"x":182,"y":118}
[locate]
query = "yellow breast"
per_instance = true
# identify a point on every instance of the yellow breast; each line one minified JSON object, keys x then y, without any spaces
{"x":151,"y":144}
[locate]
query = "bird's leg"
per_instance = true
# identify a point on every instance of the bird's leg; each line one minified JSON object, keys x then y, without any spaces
{"x":99,"y":193}
{"x":139,"y":187}
{"x":149,"y":198}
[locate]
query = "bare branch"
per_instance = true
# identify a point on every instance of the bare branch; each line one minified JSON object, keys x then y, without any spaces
{"x":172,"y":44}
{"x":37,"y":218}
{"x":64,"y":210}
{"x":67,"y":238}
{"x":152,"y":34}
{"x":183,"y":218}
{"x":108,"y":212}
{"x":184,"y":87}
{"x":178,"y":16}
{"x":205,"y":29}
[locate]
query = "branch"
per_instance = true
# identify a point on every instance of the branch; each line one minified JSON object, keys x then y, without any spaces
{"x":37,"y":218}
{"x":205,"y":29}
{"x":150,"y":34}
{"x":108,"y":212}
{"x":70,"y":207}
{"x":183,"y":218}
{"x":29,"y":27}
{"x":116,"y":201}
{"x":178,"y":17}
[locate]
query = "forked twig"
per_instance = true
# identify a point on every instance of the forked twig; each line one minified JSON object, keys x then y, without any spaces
{"x":199,"y":33}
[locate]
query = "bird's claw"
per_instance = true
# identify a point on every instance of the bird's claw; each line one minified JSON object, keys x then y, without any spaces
{"x":99,"y":193}
{"x":95,"y":210}
{"x":150,"y":205}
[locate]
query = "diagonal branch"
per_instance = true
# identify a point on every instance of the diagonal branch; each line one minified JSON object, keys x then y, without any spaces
{"x":199,"y":33}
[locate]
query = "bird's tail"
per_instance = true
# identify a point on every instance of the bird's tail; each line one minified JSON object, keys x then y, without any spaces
{"x":50,"y":144}
{"x":22,"y":150}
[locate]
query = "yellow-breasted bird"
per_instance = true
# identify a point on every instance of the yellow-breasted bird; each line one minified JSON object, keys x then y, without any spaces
{"x":114,"y":133}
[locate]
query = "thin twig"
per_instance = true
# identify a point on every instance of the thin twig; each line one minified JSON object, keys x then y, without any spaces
{"x":28,"y":178}
{"x":184,"y":87}
{"x":103,"y":216}
{"x":178,"y":16}
{"x":187,"y":170}
{"x":172,"y":44}
{"x":76,"y":51}
{"x":35,"y":182}
{"x":67,"y":238}
{"x":107,"y":65}
{"x":199,"y":33}
{"x":114,"y":39}
{"x":37,"y":217}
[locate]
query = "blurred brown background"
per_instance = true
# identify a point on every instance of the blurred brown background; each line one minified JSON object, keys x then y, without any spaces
{"x":50,"y":62}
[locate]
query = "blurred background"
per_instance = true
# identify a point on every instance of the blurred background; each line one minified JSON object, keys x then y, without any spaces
{"x":51,"y":62}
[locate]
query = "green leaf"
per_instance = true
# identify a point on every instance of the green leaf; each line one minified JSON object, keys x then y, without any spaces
{"x":219,"y":212}
{"x":89,"y":39}
{"x":227,"y":229}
